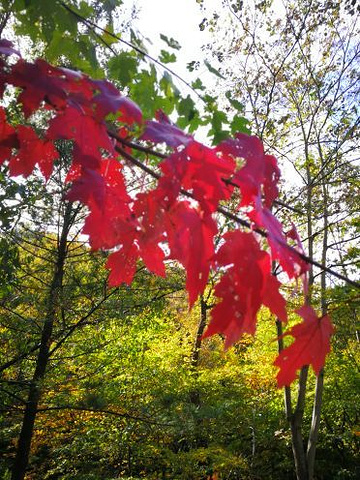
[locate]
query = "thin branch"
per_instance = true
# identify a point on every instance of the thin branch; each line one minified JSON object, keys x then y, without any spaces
{"x":104,"y":411}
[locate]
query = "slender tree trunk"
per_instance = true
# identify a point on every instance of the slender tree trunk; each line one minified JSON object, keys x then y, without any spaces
{"x":201,"y":327}
{"x":195,"y":354}
{"x":296,"y":433}
{"x":315,"y":423}
{"x":316,"y":413}
{"x":287,"y":390}
{"x":295,"y":418}
{"x":35,"y":390}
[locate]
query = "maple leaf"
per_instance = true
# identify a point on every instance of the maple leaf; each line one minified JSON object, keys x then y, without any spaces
{"x":104,"y":192}
{"x":259,"y":176}
{"x":6,"y":48}
{"x":294,"y":235}
{"x":200,"y":171}
{"x":32,"y":151}
{"x":161,"y":116}
{"x":88,"y":134}
{"x":250,"y":176}
{"x":246,"y":284}
{"x":270,"y":292}
{"x":110,"y":100}
{"x":270,"y":180}
{"x":288,"y":258}
{"x":272,"y":298}
{"x":122,"y":264}
{"x":105,"y":229}
{"x":39,"y":81}
{"x":163,"y":132}
{"x":205,"y":174}
{"x":151,"y":233}
{"x":8,"y":137}
{"x":190,"y":238}
{"x":105,"y":186}
{"x":310,"y":347}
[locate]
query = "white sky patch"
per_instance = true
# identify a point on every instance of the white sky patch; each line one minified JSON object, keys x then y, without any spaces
{"x":177,"y":19}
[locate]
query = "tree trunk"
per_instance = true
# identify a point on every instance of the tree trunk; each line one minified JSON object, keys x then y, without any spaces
{"x":296,"y":434}
{"x":195,"y":354}
{"x":35,"y":389}
{"x":315,"y":422}
{"x":201,"y":327}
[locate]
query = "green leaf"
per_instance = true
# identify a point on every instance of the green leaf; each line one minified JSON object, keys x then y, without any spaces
{"x":198,"y":85}
{"x":186,"y":108}
{"x":166,"y":57}
{"x":171,"y":42}
{"x":233,"y":102}
{"x":240,"y":124}
{"x":217,"y":120}
{"x":167,"y":85}
{"x":123,"y":67}
{"x":213,"y":70}
{"x":107,"y":36}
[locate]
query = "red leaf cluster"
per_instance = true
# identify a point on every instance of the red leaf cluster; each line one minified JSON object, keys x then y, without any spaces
{"x":176,"y":218}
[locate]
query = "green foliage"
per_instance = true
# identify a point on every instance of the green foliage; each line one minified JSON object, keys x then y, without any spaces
{"x":171,"y":42}
{"x":166,"y":57}
{"x":213,"y":70}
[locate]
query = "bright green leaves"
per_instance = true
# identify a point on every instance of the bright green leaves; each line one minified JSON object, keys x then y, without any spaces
{"x":240,"y":124}
{"x":59,"y":31}
{"x":40,"y":19}
{"x":123,"y":67}
{"x":166,"y":57}
{"x":189,"y":115}
{"x":198,"y":85}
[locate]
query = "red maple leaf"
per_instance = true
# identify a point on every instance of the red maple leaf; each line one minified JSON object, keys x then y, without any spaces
{"x":110,"y":100}
{"x":39,"y":81}
{"x":270,"y":180}
{"x":88,"y":134}
{"x":6,"y":48}
{"x":246,"y":284}
{"x":249,"y":177}
{"x":259,"y":176}
{"x":190,"y":238}
{"x":8,"y":137}
{"x":106,"y":186}
{"x":122,"y":264}
{"x":150,"y":215}
{"x":287,"y":256}
{"x":200,"y":171}
{"x":311,"y":345}
{"x":163,"y":132}
{"x":32,"y":151}
{"x":104,"y":192}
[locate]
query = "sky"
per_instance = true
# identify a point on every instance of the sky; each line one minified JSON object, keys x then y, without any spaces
{"x":178,"y":19}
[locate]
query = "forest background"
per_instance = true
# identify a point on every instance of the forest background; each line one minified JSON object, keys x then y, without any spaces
{"x":129,"y":388}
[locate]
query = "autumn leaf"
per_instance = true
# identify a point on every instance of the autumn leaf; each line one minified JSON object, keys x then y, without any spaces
{"x":310,"y":347}
{"x":163,"y":132}
{"x":6,"y":48}
{"x":287,"y":256}
{"x":122,"y":265}
{"x":8,"y":137}
{"x":190,"y":238}
{"x":108,"y":99}
{"x":246,"y":284}
{"x":32,"y":150}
